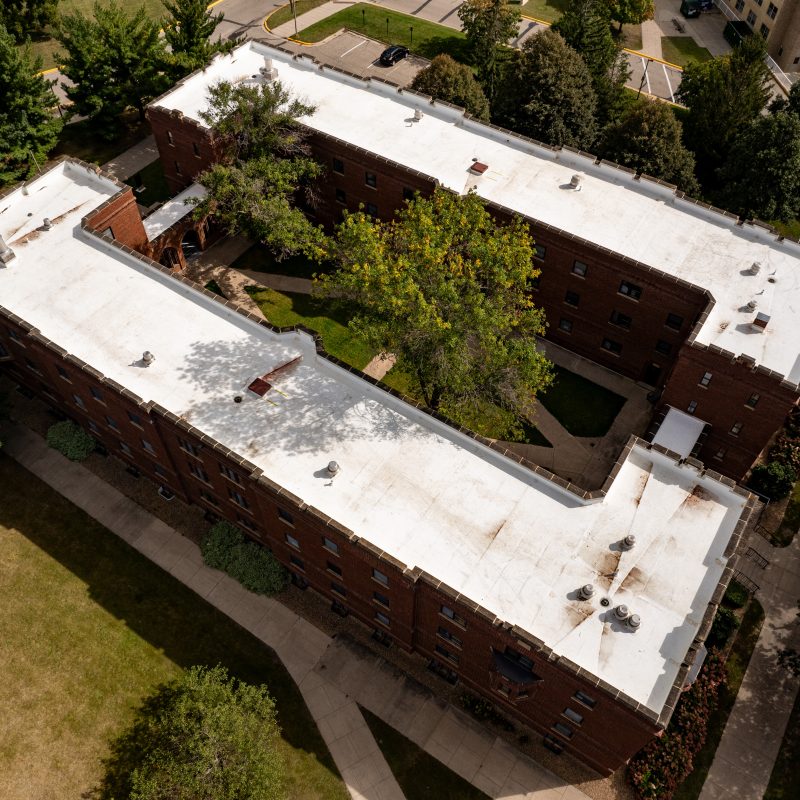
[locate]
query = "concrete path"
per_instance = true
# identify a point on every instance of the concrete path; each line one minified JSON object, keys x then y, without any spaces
{"x":333,"y":676}
{"x":287,"y":29}
{"x":651,"y":39}
{"x":133,"y":160}
{"x":752,"y":738}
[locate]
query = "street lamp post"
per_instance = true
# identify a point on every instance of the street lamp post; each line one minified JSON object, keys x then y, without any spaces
{"x":411,"y":28}
{"x":644,"y":77}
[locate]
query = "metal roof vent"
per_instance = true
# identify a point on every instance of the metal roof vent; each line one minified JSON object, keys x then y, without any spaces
{"x":761,"y":321}
{"x":575,"y":183}
{"x":621,"y":612}
{"x":752,"y":304}
{"x":333,"y":468}
{"x":418,"y":115}
{"x":47,"y":223}
{"x":237,"y":399}
{"x":628,"y":542}
{"x":6,"y":253}
{"x":586,"y":591}
{"x":634,"y":621}
{"x":755,"y":268}
{"x":268,"y":71}
{"x":148,"y":358}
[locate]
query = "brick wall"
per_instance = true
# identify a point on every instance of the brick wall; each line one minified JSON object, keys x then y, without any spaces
{"x":121,"y":214}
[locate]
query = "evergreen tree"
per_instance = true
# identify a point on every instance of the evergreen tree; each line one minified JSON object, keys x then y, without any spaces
{"x":115,"y":62}
{"x":188,"y":29}
{"x":29,"y":126}
{"x":25,"y":19}
{"x":648,"y":138}
{"x":547,"y":93}
{"x":446,"y":79}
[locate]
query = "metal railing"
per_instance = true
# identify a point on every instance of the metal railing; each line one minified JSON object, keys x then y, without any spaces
{"x":751,"y":554}
{"x":751,"y":586}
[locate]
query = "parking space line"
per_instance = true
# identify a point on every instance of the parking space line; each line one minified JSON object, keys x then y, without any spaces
{"x":363,"y":41}
{"x":669,"y":85}
{"x":646,"y":77}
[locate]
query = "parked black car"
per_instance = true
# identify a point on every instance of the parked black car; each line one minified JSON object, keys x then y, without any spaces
{"x":391,"y":55}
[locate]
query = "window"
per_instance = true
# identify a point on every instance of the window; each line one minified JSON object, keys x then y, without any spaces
{"x":292,"y":541}
{"x":383,"y":619}
{"x":188,"y":447}
{"x":539,"y":251}
{"x":334,"y":568}
{"x":96,"y":394}
{"x":736,"y":428}
{"x":665,"y":348}
{"x":93,"y":426}
{"x":238,"y":498}
{"x":674,"y":321}
{"x":32,"y":367}
{"x":580,"y":269}
{"x":572,"y":299}
{"x":565,"y":325}
{"x":563,"y":730}
{"x":443,"y":651}
{"x":297,"y":562}
{"x":338,"y":166}
{"x":370,"y":179}
{"x":622,"y":320}
{"x":408,"y":194}
{"x":573,"y":716}
{"x":62,"y":373}
{"x":450,"y":637}
{"x":764,"y":30}
{"x":371,"y":209}
{"x":612,"y":346}
{"x":739,"y":5}
{"x":148,"y":447}
{"x":690,"y":409}
{"x":448,"y":612}
{"x":160,"y":471}
{"x":772,"y":11}
{"x":720,"y":454}
{"x":337,"y":588}
{"x":759,"y":2}
{"x":518,"y":658}
{"x":329,"y":544}
{"x":5,"y":354}
{"x":199,"y":472}
{"x":285,"y":516}
{"x":381,"y":598}
{"x":112,"y":423}
{"x":752,"y":401}
{"x":15,"y":337}
{"x":170,"y":139}
{"x":246,"y":523}
{"x":706,"y":379}
{"x":630,"y":290}
{"x":135,"y":419}
{"x":125,"y":449}
{"x":230,"y":474}
{"x":209,"y":498}
{"x":377,"y":575}
{"x":341,"y":196}
{"x":196,"y":149}
{"x":535,"y":282}
{"x":178,"y":169}
{"x":589,"y":702}
{"x":751,"y":19}
{"x":553,"y":744}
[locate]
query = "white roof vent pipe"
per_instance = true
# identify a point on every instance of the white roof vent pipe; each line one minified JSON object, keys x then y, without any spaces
{"x":628,"y":542}
{"x":752,"y":304}
{"x":268,"y":71}
{"x":47,"y":223}
{"x":621,"y":613}
{"x":148,"y":358}
{"x":418,"y":115}
{"x":586,"y":591}
{"x":6,"y":253}
{"x":634,"y":621}
{"x":575,"y":182}
{"x":755,"y":268}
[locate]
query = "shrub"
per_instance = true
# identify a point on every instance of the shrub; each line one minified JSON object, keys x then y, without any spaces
{"x":786,"y":451}
{"x":70,"y":440}
{"x":225,"y":547}
{"x":736,"y":596}
{"x":725,"y":623}
{"x":775,"y":480}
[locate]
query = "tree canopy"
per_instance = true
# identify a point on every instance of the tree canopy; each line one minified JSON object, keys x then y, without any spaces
{"x":547,"y":93}
{"x":204,"y":736}
{"x":648,"y":138}
{"x":723,"y":95}
{"x":265,"y":166}
{"x":488,"y":25}
{"x":25,"y":19}
{"x":446,"y":79}
{"x":115,"y":62}
{"x":446,"y":290}
{"x":188,"y":29}
{"x":631,"y":12}
{"x":29,"y":126}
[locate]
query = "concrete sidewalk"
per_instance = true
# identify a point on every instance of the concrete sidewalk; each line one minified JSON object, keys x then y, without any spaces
{"x":333,"y":677}
{"x":133,"y":160}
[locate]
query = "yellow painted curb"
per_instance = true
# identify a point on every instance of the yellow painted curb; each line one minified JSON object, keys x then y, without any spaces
{"x":265,"y":23}
{"x":653,"y":58}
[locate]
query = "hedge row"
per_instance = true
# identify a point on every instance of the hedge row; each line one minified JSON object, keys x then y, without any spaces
{"x":70,"y":440}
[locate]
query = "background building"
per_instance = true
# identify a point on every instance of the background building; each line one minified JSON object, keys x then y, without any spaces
{"x":778,"y":21}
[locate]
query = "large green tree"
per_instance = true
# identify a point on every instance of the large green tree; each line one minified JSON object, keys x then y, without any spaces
{"x":266,"y":166}
{"x":202,"y":736}
{"x":723,"y":96}
{"x":488,"y":25}
{"x":188,"y":29}
{"x":547,"y":93}
{"x":114,"y":60}
{"x":445,"y":289}
{"x":648,"y":138}
{"x":631,"y":12}
{"x":25,"y":19}
{"x":29,"y":126}
{"x":446,"y":79}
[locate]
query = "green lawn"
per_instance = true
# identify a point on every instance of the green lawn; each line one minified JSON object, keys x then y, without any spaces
{"x":427,"y":39}
{"x":547,"y":10}
{"x":421,"y":777}
{"x":91,"y":627}
{"x":81,"y":140}
{"x":259,"y":259}
{"x":788,"y":228}
{"x":213,"y":286}
{"x":285,"y":13}
{"x":784,"y":783}
{"x":582,"y":407}
{"x":683,"y":50}
{"x":735,"y":667}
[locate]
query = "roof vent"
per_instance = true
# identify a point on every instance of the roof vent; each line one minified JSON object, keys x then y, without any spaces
{"x":621,"y":612}
{"x":634,"y":621}
{"x":268,"y":71}
{"x":761,"y":321}
{"x":6,"y":253}
{"x":47,"y":223}
{"x":752,"y":304}
{"x":148,"y":358}
{"x":628,"y":542}
{"x":755,"y":268}
{"x":237,"y":399}
{"x":586,"y":591}
{"x":575,"y":182}
{"x":478,"y":168}
{"x":333,"y":468}
{"x":418,"y":115}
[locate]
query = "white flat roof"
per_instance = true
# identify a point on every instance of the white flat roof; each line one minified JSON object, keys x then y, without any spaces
{"x":679,"y":432}
{"x":172,"y":211}
{"x":429,"y":496}
{"x":638,"y":219}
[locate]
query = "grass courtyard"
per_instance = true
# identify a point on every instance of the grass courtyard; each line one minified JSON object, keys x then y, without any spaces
{"x":90,"y":627}
{"x":683,"y":51}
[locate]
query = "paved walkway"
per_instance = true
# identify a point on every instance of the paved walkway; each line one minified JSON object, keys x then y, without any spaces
{"x":651,"y":39}
{"x":133,"y":160}
{"x":332,"y":676}
{"x":754,"y":731}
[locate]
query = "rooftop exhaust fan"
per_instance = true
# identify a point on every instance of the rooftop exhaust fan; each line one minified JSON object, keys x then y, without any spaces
{"x":628,"y":542}
{"x":268,"y":71}
{"x":477,"y":167}
{"x":586,"y":591}
{"x":47,"y":223}
{"x":148,"y":358}
{"x":6,"y":253}
{"x":621,"y":613}
{"x":755,"y":268}
{"x":575,"y":183}
{"x":333,"y":468}
{"x":752,"y":304}
{"x":418,"y":115}
{"x":761,"y":321}
{"x":634,"y":621}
